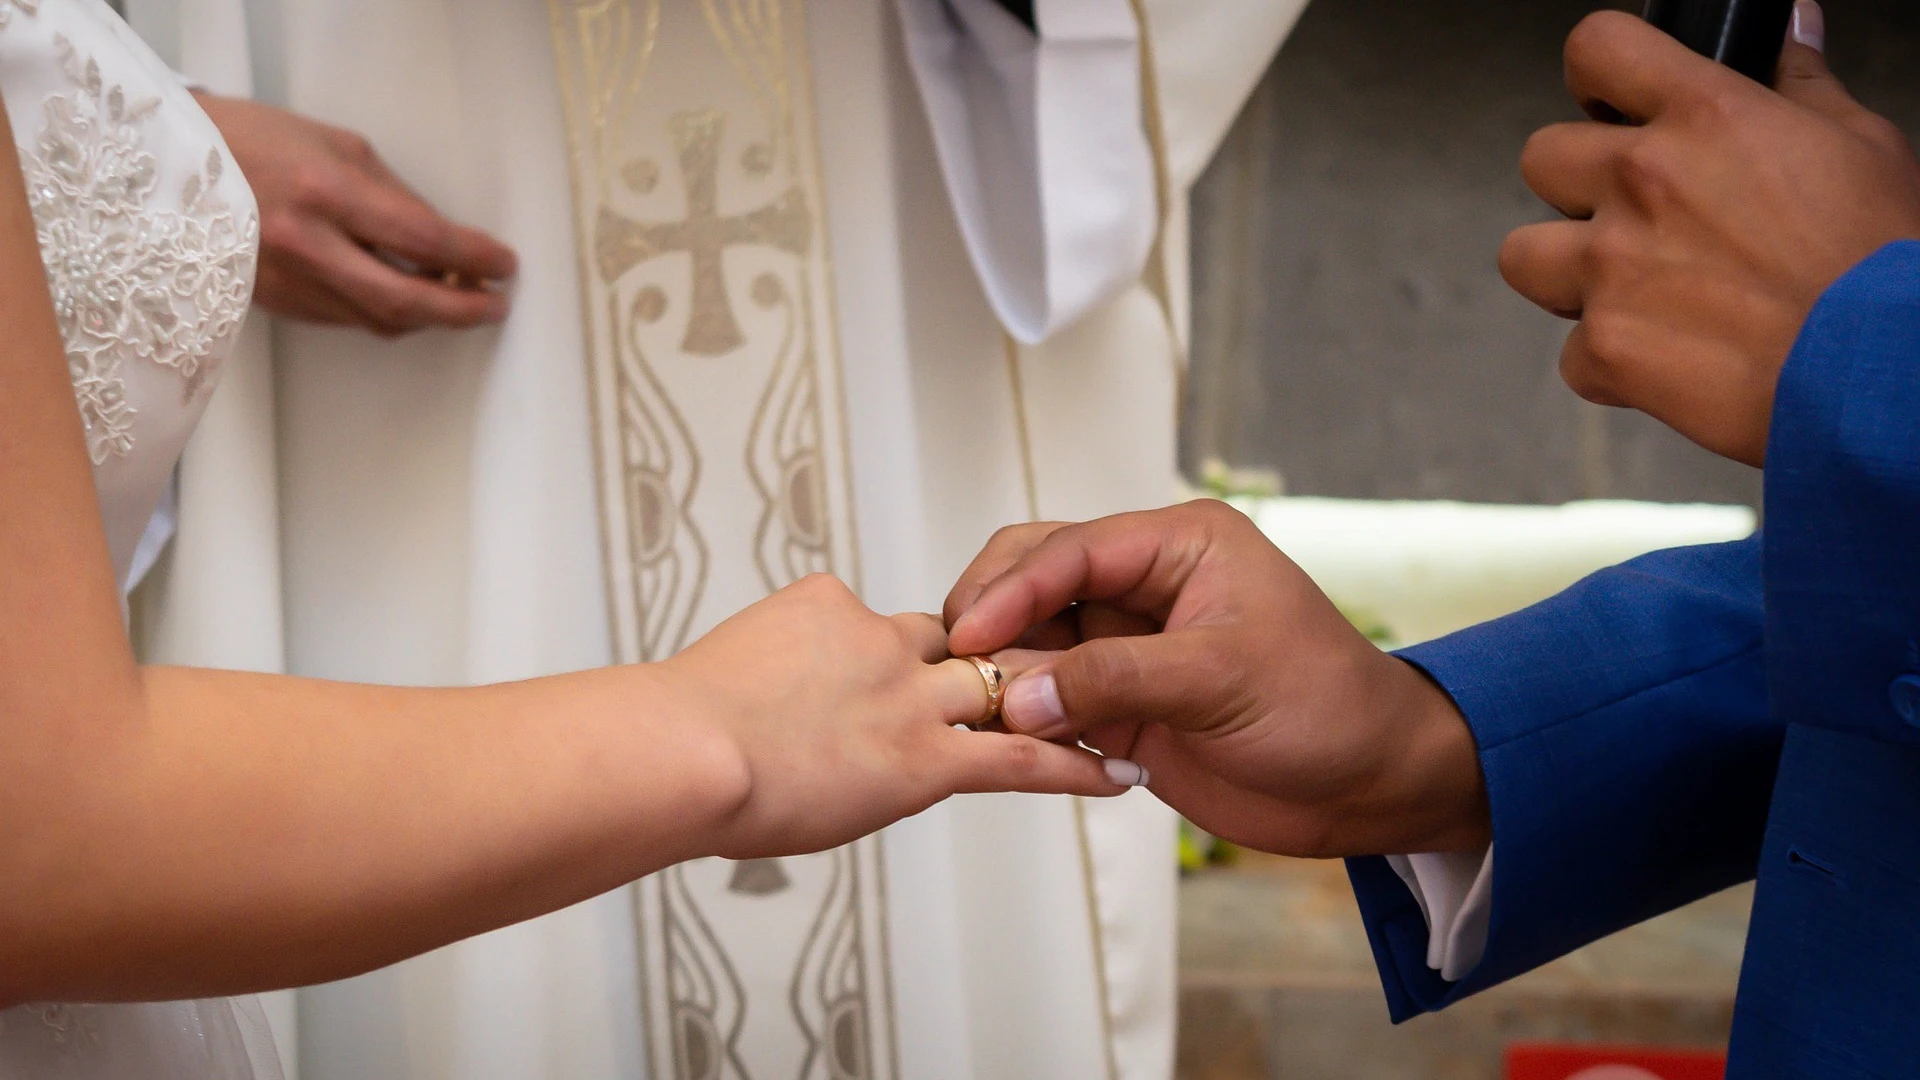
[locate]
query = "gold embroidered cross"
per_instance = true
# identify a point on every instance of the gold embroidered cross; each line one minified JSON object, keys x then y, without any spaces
{"x":622,"y":243}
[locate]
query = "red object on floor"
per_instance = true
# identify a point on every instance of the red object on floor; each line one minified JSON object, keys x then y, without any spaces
{"x":1553,"y":1062}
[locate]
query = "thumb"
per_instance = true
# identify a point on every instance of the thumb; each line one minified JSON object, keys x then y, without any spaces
{"x":1805,"y":79}
{"x":1181,"y":679}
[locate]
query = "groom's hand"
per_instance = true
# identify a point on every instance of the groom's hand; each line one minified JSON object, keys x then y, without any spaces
{"x":1700,"y":234}
{"x":1258,"y":710}
{"x":343,"y":241}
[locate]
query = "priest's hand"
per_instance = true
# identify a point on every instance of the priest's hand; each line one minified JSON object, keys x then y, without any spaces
{"x":842,"y":722}
{"x":1259,"y":712}
{"x":1701,"y":233}
{"x":343,"y":241}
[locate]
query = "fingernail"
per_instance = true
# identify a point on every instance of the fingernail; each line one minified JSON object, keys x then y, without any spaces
{"x":1125,"y":773}
{"x":1033,"y":707}
{"x":1810,"y":25}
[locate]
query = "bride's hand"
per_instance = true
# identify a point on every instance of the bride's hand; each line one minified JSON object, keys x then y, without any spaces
{"x":844,"y":720}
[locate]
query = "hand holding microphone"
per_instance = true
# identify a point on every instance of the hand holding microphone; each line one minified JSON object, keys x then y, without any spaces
{"x":1699,"y":236}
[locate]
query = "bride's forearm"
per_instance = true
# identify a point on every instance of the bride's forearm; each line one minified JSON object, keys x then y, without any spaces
{"x":249,"y":832}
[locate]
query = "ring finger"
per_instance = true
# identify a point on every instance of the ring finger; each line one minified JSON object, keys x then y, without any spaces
{"x":960,"y":692}
{"x":925,"y":635}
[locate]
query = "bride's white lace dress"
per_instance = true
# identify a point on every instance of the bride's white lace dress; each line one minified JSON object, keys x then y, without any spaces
{"x":149,"y":235}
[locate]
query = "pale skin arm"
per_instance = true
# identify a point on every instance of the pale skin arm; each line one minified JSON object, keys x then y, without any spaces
{"x":174,"y":833}
{"x":202,"y":833}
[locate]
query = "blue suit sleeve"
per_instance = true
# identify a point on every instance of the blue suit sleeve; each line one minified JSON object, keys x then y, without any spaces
{"x":1629,"y":730}
{"x":1843,"y":503}
{"x":1624,"y":733}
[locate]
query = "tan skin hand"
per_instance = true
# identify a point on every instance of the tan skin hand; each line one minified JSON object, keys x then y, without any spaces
{"x":1258,"y":710}
{"x":1700,"y":234}
{"x":344,"y":241}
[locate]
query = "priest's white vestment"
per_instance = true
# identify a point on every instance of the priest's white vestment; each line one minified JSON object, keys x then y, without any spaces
{"x":750,"y":341}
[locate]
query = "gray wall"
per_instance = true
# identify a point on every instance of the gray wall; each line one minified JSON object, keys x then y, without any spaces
{"x":1351,"y":328}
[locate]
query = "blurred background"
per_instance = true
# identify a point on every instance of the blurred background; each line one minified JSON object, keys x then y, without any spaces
{"x":1366,"y":386}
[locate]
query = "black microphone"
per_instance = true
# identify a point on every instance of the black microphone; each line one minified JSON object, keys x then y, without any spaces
{"x":1746,"y":35}
{"x":1022,"y":10}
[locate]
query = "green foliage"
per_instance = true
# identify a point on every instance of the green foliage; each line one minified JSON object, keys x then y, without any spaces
{"x":1377,"y":631}
{"x":1221,"y":481}
{"x":1200,"y":851}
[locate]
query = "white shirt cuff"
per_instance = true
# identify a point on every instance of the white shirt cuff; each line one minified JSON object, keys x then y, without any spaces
{"x":1455,"y":893}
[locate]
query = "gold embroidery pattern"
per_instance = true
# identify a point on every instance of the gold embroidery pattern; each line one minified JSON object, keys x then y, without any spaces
{"x":657,"y":558}
{"x":707,"y":307}
{"x":829,"y":993}
{"x":704,"y":235}
{"x":785,"y":453}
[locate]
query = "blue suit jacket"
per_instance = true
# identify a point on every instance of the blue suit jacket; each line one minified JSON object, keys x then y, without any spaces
{"x":1700,"y":717}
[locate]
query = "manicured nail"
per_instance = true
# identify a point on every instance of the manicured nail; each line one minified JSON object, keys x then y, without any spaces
{"x":1125,"y":773}
{"x":1033,"y":707}
{"x":1810,"y":25}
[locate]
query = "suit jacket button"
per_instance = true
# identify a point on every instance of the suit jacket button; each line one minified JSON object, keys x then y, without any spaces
{"x":1906,"y":698}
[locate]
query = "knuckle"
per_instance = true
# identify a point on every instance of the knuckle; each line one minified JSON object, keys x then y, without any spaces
{"x":1020,"y":757}
{"x":823,"y":585}
{"x":1584,"y":374}
{"x":1596,"y":32}
{"x":1885,"y":136}
{"x":1541,"y":150}
{"x":1725,"y":107}
{"x":1516,"y":257}
{"x":1215,"y":511}
{"x":1615,"y":251}
{"x":354,"y":147}
{"x":316,"y":187}
{"x":283,"y":231}
{"x":832,"y":594}
{"x":1609,"y":342}
{"x":1110,"y":666}
{"x":1221,"y":520}
{"x":1580,"y":379}
{"x":1012,"y":538}
{"x":1538,"y":145}
{"x":1646,"y":170}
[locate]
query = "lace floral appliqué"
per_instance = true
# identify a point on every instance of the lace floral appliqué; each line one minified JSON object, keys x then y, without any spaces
{"x":69,"y":1024}
{"x":30,"y":7}
{"x":130,"y":279}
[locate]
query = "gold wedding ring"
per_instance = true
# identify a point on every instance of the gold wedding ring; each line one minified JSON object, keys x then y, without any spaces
{"x":996,"y":689}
